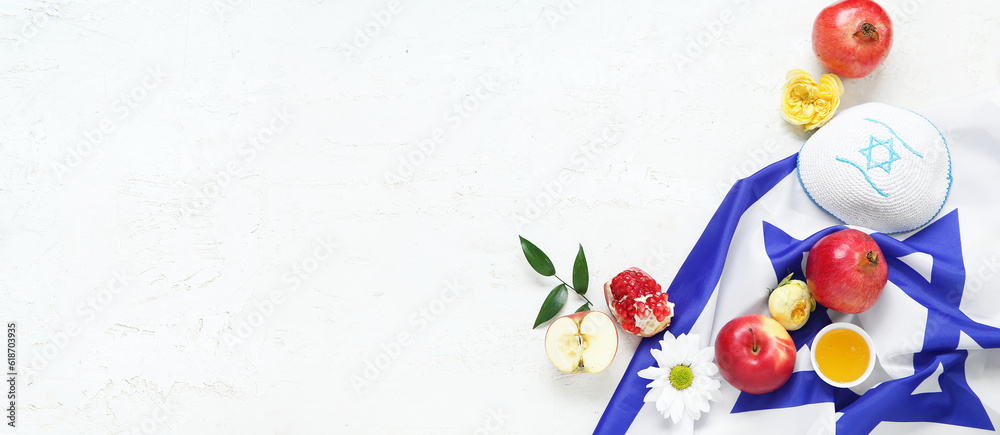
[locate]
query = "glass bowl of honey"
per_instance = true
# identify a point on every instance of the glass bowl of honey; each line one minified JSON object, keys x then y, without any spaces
{"x":843,"y":354}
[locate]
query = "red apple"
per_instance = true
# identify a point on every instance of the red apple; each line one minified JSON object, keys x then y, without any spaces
{"x":584,"y":342}
{"x":755,"y":354}
{"x":852,"y":37}
{"x":846,"y":272}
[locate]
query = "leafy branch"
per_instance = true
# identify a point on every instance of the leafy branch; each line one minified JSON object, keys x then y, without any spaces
{"x":556,"y":299}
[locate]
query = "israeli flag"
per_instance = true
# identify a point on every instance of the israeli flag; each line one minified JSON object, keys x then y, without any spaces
{"x":936,"y":328}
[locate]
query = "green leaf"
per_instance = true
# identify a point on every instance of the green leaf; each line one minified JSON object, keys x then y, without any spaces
{"x":584,"y":307}
{"x":581,"y":276}
{"x":783,"y":282}
{"x":553,"y":303}
{"x":537,"y":259}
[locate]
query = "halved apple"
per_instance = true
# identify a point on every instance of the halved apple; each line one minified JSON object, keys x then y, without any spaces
{"x":584,"y":342}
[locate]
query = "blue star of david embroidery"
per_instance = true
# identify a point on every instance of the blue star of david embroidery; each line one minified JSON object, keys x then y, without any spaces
{"x":955,"y":404}
{"x":875,"y":159}
{"x":873,"y":144}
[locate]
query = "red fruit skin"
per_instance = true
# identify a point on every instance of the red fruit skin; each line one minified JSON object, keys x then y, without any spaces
{"x":758,"y":372}
{"x":836,"y":45}
{"x":839,"y":274}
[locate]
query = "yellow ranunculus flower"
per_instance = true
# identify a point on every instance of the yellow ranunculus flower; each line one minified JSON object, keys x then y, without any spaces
{"x":807,"y":104}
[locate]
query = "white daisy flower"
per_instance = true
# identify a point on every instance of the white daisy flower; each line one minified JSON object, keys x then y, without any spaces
{"x":682,"y":382}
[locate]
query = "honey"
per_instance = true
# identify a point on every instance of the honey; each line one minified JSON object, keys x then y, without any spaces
{"x":842,"y":355}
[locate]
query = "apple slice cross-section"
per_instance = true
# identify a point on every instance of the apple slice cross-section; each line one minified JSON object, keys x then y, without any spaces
{"x":584,"y":342}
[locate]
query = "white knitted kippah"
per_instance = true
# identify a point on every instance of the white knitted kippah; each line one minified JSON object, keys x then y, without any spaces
{"x":878,"y":167}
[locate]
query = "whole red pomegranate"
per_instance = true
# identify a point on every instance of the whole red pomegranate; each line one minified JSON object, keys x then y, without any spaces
{"x":638,"y":303}
{"x":852,"y":37}
{"x":845,"y":271}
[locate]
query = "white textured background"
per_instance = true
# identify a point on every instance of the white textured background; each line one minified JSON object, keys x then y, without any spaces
{"x":219,"y":215}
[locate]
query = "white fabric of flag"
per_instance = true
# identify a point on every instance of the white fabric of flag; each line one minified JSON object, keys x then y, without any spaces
{"x":936,"y":327}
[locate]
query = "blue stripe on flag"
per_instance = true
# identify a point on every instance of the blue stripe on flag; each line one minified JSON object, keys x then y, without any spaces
{"x":691,"y":289}
{"x":802,"y":388}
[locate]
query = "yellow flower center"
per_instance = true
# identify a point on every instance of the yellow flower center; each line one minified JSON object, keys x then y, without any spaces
{"x":799,"y":311}
{"x":681,"y":377}
{"x":807,"y":94}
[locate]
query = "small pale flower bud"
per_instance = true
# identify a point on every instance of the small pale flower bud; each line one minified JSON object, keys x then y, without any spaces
{"x":791,"y":304}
